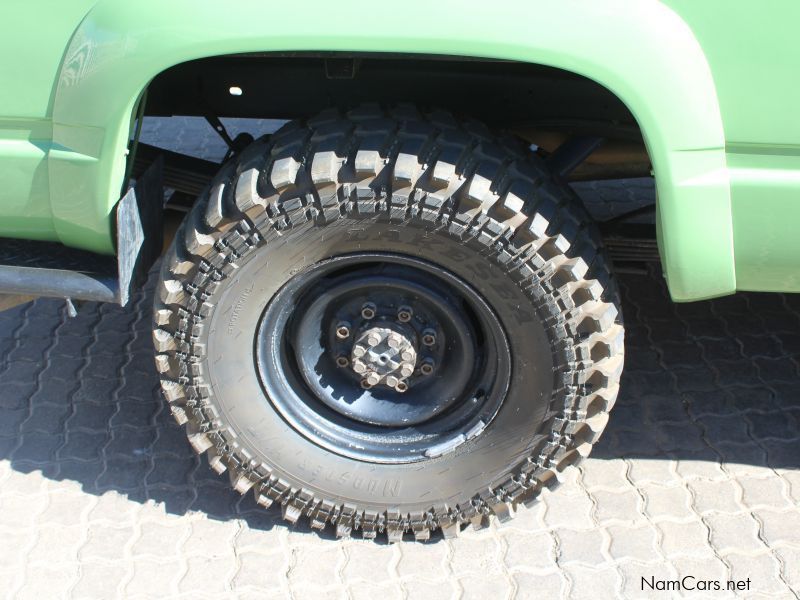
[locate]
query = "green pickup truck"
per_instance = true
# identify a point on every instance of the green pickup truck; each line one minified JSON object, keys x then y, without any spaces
{"x":394,"y":315}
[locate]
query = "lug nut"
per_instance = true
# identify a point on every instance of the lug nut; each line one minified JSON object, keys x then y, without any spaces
{"x":359,"y":367}
{"x":429,"y":337}
{"x":407,"y":355}
{"x":368,"y":310}
{"x":373,"y":379}
{"x":343,"y":330}
{"x":365,"y":384}
{"x":401,"y":387}
{"x":373,"y":339}
{"x":406,"y":370}
{"x":426,"y":368}
{"x":359,"y":350}
{"x":404,"y":314}
{"x":392,"y":381}
{"x":342,"y":361}
{"x":394,"y":341}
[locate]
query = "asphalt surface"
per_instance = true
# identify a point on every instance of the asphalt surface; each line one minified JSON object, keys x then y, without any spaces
{"x":698,"y":473}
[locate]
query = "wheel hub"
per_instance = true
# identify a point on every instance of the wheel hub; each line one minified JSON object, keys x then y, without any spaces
{"x":384,"y":355}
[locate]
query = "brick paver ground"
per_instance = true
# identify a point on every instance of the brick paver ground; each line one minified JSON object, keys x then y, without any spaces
{"x":698,"y":474}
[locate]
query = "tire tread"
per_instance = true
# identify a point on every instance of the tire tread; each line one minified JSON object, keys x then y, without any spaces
{"x":458,"y":176}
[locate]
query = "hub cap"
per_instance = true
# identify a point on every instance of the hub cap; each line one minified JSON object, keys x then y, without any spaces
{"x":383,"y":358}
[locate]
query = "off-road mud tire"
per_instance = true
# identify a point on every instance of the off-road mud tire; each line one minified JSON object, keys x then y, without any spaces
{"x":339,"y":177}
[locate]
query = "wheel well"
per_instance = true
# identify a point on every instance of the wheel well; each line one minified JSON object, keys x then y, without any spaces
{"x":551,"y":108}
{"x":543,"y":105}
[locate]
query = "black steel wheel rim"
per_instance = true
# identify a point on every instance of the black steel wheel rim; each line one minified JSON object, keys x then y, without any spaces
{"x":382,"y":357}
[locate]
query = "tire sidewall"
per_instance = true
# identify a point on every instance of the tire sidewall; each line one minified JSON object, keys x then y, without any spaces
{"x":258,"y":431}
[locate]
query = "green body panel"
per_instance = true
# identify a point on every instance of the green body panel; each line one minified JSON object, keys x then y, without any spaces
{"x":687,"y":78}
{"x":24,"y":183}
{"x":33,"y":38}
{"x":755,"y":60}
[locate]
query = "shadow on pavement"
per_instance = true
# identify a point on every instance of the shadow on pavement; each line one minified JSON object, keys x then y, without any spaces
{"x":79,"y":400}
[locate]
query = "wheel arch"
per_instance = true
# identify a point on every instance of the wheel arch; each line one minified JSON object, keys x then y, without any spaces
{"x":639,"y":50}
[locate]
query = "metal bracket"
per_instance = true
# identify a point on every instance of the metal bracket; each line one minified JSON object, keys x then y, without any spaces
{"x":235,"y":145}
{"x":217,"y":125}
{"x":571,"y":154}
{"x":610,"y":224}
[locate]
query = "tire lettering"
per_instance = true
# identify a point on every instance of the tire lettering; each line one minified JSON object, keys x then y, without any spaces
{"x":357,"y":235}
{"x":503,"y":292}
{"x":391,"y":488}
{"x":388,"y":488}
{"x":481,"y":272}
{"x":237,"y":308}
{"x":393,"y":235}
{"x":457,"y":255}
{"x":426,"y":241}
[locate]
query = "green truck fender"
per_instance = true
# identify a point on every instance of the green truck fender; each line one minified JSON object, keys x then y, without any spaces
{"x":640,"y":50}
